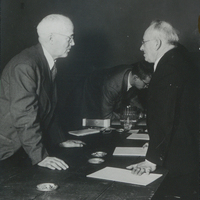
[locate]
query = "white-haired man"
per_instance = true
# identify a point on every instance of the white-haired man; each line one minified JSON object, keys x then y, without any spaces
{"x":28,"y":95}
{"x":172,"y":114}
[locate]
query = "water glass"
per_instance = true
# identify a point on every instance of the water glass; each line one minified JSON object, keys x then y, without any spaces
{"x":128,"y":117}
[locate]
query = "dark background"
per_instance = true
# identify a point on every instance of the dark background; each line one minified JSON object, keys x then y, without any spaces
{"x":107,"y":32}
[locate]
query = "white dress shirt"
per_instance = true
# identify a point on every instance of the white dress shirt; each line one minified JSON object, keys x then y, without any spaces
{"x":49,"y":58}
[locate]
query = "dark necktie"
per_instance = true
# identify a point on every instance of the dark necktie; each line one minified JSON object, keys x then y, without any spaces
{"x":53,"y":72}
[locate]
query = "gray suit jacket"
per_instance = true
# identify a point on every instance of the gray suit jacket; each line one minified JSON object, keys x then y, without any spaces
{"x":27,"y":102}
{"x":104,"y":92}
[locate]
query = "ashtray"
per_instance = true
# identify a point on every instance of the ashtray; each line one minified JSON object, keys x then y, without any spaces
{"x":99,"y":154}
{"x":47,"y":187}
{"x":96,"y":160}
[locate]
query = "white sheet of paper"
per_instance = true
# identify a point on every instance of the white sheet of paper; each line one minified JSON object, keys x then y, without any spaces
{"x":130,"y":151}
{"x":138,"y":136}
{"x":124,"y":175}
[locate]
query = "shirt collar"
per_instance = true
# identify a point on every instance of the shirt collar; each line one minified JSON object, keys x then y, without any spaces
{"x":156,"y":63}
{"x":49,"y":58}
{"x":129,"y":85}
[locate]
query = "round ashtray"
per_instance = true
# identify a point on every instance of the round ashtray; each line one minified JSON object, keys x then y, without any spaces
{"x":96,"y":160}
{"x":99,"y":154}
{"x":47,"y":187}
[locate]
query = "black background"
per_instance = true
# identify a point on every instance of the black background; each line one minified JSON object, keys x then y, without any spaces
{"x":107,"y":32}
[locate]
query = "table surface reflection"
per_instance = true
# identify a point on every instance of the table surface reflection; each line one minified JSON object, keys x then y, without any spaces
{"x":19,"y":179}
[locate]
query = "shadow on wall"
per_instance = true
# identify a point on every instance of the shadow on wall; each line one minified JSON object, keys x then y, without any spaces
{"x":91,"y":51}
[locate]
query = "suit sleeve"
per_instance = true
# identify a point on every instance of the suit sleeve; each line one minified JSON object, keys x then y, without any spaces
{"x":109,"y":98}
{"x":163,"y":99}
{"x":24,"y":110}
{"x":55,"y":134}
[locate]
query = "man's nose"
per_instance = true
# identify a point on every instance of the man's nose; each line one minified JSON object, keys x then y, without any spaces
{"x":72,"y":42}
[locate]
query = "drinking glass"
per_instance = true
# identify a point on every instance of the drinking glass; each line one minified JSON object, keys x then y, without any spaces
{"x":128,"y":117}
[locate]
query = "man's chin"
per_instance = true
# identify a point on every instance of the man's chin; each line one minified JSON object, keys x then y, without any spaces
{"x":64,"y":55}
{"x":148,"y":60}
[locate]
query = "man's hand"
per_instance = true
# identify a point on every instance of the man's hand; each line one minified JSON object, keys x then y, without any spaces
{"x":143,"y":167}
{"x":53,"y":163}
{"x":72,"y":143}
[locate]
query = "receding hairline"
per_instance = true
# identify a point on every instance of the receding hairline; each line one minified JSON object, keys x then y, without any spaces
{"x":163,"y":29}
{"x":54,"y":23}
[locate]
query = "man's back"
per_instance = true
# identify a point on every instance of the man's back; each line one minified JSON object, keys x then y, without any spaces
{"x":21,"y":86}
{"x":104,"y":90}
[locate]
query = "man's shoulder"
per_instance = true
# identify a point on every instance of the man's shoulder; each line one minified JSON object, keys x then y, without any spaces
{"x":28,"y":56}
{"x":176,"y":57}
{"x":31,"y":52}
{"x":178,"y":53}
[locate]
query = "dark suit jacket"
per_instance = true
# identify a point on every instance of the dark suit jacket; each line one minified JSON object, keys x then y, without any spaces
{"x":173,"y":113}
{"x":27,"y":102}
{"x":105,"y":91}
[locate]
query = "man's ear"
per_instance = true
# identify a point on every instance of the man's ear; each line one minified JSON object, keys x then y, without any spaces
{"x":51,"y":38}
{"x":134,"y":77}
{"x":158,"y":44}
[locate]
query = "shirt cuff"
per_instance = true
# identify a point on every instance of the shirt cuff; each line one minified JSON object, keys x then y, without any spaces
{"x":150,"y":162}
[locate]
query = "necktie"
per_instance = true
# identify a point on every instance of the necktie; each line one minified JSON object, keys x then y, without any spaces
{"x":53,"y":72}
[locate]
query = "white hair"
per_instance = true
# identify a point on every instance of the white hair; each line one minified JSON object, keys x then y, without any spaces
{"x":54,"y":23}
{"x":165,"y":31}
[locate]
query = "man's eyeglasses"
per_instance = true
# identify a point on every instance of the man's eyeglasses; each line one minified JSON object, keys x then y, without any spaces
{"x":69,"y":37}
{"x":146,"y":85}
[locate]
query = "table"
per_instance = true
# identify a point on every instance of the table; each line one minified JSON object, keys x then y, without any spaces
{"x":18,"y":179}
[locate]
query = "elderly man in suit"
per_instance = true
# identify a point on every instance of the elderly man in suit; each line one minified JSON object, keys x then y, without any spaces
{"x":172,"y":112}
{"x":28,"y":95}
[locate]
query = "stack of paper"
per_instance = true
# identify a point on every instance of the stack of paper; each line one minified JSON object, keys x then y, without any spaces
{"x":84,"y":132}
{"x":124,"y":175}
{"x":130,"y":151}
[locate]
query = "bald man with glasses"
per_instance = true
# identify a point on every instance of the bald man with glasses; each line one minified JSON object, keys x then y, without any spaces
{"x":28,"y":96}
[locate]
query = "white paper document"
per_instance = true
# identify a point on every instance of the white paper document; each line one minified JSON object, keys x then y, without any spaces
{"x":124,"y":176}
{"x":84,"y":132}
{"x":138,"y":136}
{"x":130,"y":151}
